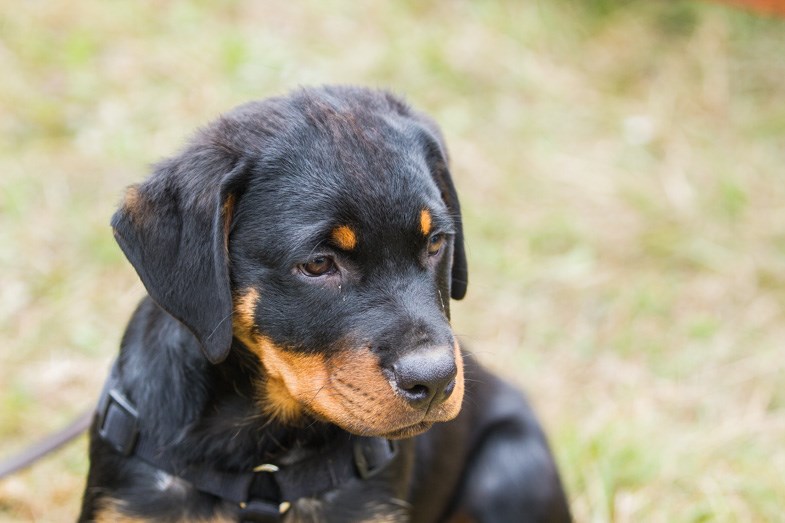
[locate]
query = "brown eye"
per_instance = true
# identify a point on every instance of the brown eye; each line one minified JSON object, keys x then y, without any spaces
{"x":435,"y":244}
{"x":318,"y":266}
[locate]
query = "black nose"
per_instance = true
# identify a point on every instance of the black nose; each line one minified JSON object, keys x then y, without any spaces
{"x":426,"y":376}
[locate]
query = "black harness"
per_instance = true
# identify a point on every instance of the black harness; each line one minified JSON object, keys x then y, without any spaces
{"x":264,"y":493}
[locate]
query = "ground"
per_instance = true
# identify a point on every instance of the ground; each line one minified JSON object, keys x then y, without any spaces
{"x":620,"y":167}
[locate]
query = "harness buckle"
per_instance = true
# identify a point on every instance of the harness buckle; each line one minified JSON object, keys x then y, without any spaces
{"x":118,"y":422}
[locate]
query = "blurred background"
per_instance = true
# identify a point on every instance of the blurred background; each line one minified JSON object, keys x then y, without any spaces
{"x":620,"y":165}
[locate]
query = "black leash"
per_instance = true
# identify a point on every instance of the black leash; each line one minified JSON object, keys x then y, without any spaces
{"x":263,"y":493}
{"x":47,"y":445}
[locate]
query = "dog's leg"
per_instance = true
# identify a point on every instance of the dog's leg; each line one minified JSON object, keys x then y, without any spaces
{"x":512,"y":477}
{"x":511,"y":474}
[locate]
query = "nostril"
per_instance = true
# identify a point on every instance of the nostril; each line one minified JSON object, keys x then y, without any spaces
{"x":448,"y":389}
{"x":417,"y":393}
{"x":425,"y":376}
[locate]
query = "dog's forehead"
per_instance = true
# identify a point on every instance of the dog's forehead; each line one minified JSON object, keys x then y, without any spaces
{"x":392,"y":181}
{"x":312,"y":196}
{"x":378,"y":173}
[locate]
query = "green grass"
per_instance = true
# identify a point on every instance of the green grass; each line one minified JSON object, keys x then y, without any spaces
{"x":620,"y":166}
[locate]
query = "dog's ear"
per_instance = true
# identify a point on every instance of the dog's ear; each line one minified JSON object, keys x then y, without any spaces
{"x":460,"y":268}
{"x":174,"y":229}
{"x":438,"y":162}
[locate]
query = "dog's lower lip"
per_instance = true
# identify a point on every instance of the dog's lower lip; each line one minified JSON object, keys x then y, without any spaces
{"x":410,"y":431}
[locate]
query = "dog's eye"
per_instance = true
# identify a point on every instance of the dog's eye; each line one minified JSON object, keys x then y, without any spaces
{"x":435,"y":244}
{"x":318,"y":266}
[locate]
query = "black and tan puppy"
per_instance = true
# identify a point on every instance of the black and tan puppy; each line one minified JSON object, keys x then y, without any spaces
{"x":294,"y":360}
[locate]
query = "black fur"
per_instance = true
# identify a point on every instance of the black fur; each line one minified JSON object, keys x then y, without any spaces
{"x":251,"y":199}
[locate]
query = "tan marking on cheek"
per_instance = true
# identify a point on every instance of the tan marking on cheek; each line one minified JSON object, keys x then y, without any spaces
{"x":292,"y":379}
{"x":245,"y":314}
{"x":282,"y":369}
{"x":279,"y":403}
{"x":348,"y":389}
{"x":425,"y":222}
{"x":344,"y":237}
{"x":367,"y":403}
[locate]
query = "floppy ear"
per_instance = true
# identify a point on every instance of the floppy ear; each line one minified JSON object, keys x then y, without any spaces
{"x":460,"y":268}
{"x":174,"y":228}
{"x":436,"y":154}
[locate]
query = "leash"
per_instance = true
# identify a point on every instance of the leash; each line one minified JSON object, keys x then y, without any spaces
{"x":264,"y":493}
{"x":47,"y":445}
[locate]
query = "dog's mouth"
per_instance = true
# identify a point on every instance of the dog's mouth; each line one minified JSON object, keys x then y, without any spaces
{"x":377,"y":413}
{"x":362,"y":427}
{"x":409,"y":432}
{"x":347,"y":389}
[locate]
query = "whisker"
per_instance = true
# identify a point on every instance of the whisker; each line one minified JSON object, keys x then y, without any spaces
{"x":219,"y":324}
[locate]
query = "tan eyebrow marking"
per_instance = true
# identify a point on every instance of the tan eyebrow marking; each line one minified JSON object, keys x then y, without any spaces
{"x":344,"y":237}
{"x":425,"y":222}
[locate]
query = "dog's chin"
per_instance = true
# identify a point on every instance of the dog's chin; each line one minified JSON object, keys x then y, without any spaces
{"x":359,"y":429}
{"x":408,"y":432}
{"x":399,"y":425}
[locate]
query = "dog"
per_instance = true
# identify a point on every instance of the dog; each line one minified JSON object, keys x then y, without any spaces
{"x":294,"y":359}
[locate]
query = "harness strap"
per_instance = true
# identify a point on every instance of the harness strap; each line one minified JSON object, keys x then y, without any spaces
{"x":263,"y":493}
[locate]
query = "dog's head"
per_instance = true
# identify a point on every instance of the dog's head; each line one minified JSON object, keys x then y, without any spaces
{"x":321,"y":230}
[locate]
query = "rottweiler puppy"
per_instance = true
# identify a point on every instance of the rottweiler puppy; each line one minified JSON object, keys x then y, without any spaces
{"x":294,"y":359}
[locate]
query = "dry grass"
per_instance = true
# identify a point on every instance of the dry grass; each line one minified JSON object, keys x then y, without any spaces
{"x":620,"y":166}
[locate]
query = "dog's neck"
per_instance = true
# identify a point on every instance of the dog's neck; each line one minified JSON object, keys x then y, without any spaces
{"x":211,"y":412}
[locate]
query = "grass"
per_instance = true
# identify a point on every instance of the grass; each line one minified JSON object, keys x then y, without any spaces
{"x":620,"y":170}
